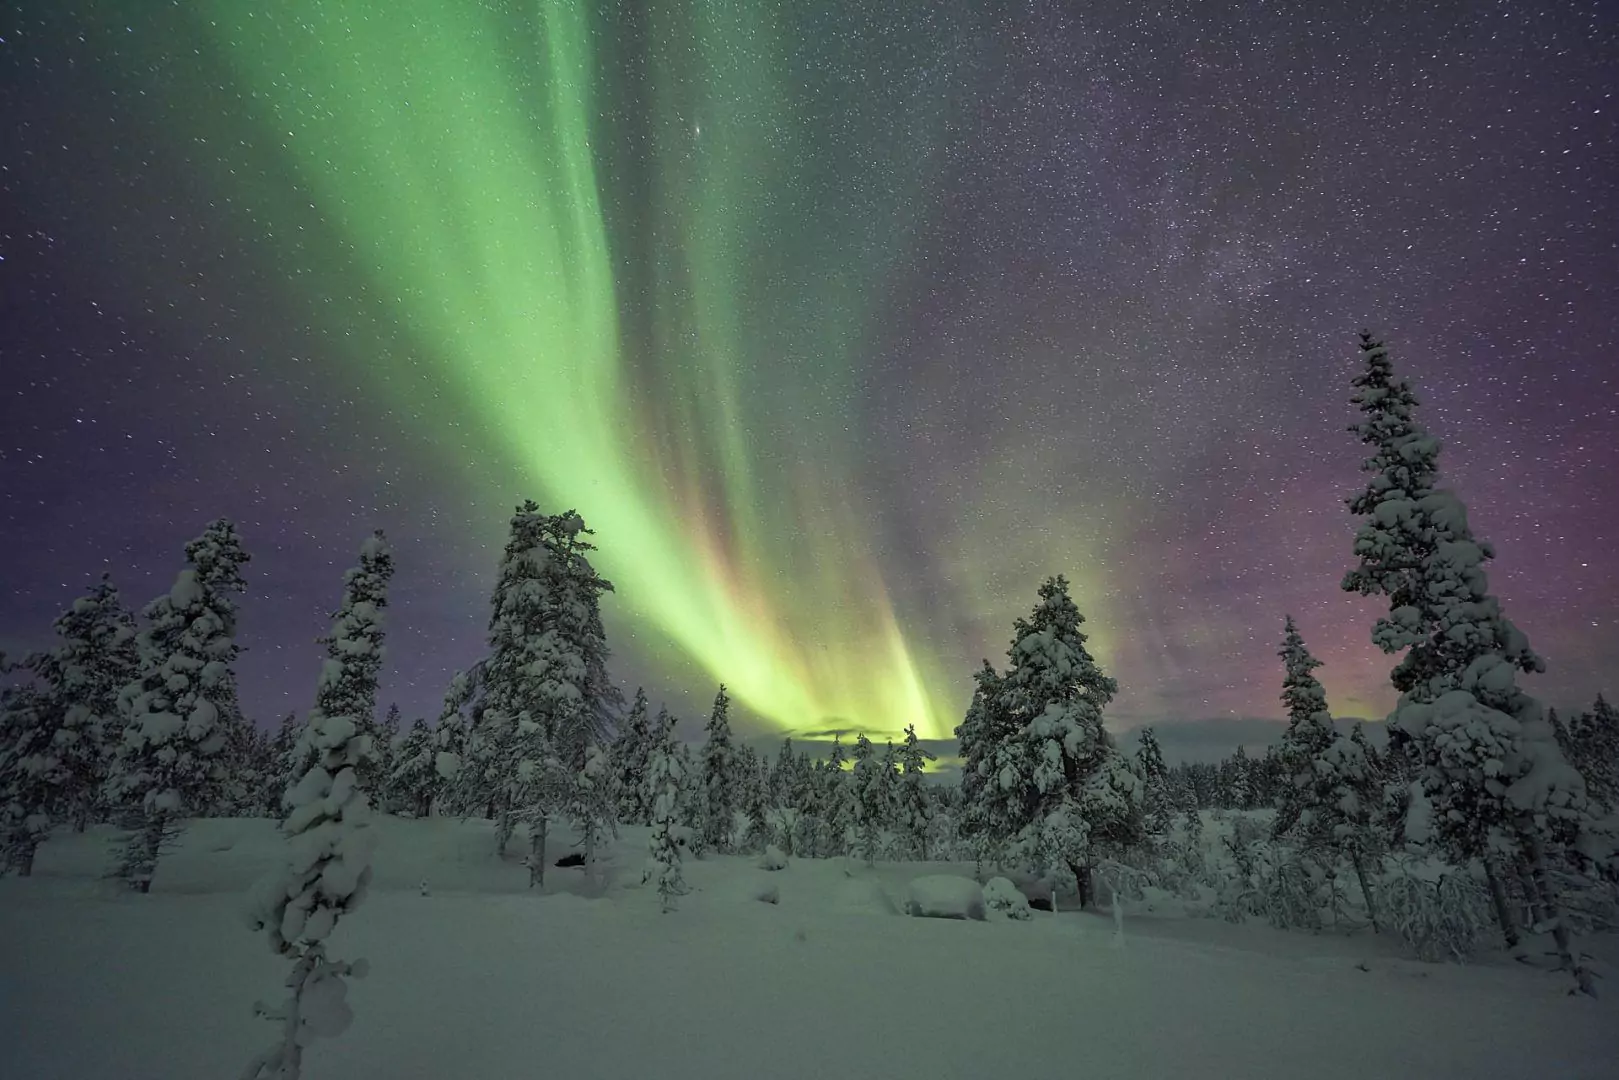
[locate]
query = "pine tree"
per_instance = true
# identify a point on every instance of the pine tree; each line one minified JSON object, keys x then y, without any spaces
{"x":29,"y":771}
{"x":982,"y":737}
{"x":1593,"y":738}
{"x":168,"y":763}
{"x":1057,"y":786}
{"x":632,"y":756}
{"x":547,"y":697}
{"x":719,"y":776}
{"x":664,"y":786}
{"x":387,"y":746}
{"x":324,"y":878}
{"x":914,"y":811}
{"x":1309,"y":731}
{"x":1158,"y":809}
{"x":95,"y":659}
{"x":354,"y":652}
{"x":1329,"y":797}
{"x":451,"y":738}
{"x":832,"y":809}
{"x":1484,"y":755}
{"x":415,"y":781}
{"x":870,"y":814}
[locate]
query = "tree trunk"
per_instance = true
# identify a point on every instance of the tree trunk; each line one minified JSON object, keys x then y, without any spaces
{"x":1082,"y":881}
{"x":1366,"y":891}
{"x":1535,"y":851}
{"x":25,"y":857}
{"x":1531,"y":895}
{"x":536,"y":851}
{"x":1498,"y":897}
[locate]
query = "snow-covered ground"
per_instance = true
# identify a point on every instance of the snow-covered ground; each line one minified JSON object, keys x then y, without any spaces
{"x":482,"y":978}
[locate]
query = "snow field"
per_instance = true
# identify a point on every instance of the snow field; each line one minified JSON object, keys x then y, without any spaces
{"x":484,"y":979}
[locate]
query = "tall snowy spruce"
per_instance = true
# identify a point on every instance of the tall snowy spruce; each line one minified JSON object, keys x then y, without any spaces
{"x":665,"y":780}
{"x":415,"y":782}
{"x":1329,"y":792}
{"x":546,"y":695}
{"x":56,"y":731}
{"x":329,"y":842}
{"x":721,"y":777}
{"x":1481,"y":749}
{"x":354,"y":652}
{"x":1051,"y":780}
{"x":1593,"y":742}
{"x":913,"y":809}
{"x":1158,"y":807}
{"x":632,"y":755}
{"x":167,"y":765}
{"x":28,"y":773}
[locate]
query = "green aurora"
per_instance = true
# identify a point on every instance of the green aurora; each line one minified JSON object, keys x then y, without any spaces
{"x":647,"y":295}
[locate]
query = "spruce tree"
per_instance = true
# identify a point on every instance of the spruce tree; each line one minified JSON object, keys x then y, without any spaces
{"x":720,"y":776}
{"x":95,"y":658}
{"x":387,"y":746}
{"x":547,"y":697}
{"x":1056,"y":787}
{"x":870,"y":815}
{"x":168,"y":764}
{"x":632,"y":755}
{"x":664,"y":787}
{"x":354,"y":652}
{"x":1158,"y":808}
{"x":1330,"y":792}
{"x":1309,"y":730}
{"x":914,"y":811}
{"x":1593,"y":738}
{"x":30,"y":773}
{"x":833,"y":809}
{"x":1481,"y":748}
{"x":329,"y":842}
{"x":415,"y":781}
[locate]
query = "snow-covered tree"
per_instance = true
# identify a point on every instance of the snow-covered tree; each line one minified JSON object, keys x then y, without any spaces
{"x":94,"y":659}
{"x":632,"y":755}
{"x":387,"y":744}
{"x":664,"y":785}
{"x":1158,"y":808}
{"x":546,"y":695}
{"x":1330,"y":794}
{"x":30,"y":773}
{"x":354,"y":651}
{"x":168,"y":764}
{"x":415,"y":782}
{"x":1484,"y":756}
{"x":721,"y":775}
{"x":869,"y":792}
{"x":452,"y":736}
{"x":914,"y":811}
{"x":1057,"y":786}
{"x":1309,"y":731}
{"x":1593,"y":739}
{"x":324,"y":878}
{"x":833,"y":808}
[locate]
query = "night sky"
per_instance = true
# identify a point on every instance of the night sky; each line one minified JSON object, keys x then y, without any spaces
{"x":843,"y":323}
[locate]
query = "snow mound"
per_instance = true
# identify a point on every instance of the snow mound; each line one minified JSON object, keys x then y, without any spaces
{"x":1003,"y":900}
{"x":945,"y":896}
{"x":773,"y":859}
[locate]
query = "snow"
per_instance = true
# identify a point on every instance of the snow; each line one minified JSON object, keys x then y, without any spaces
{"x":485,"y":978}
{"x":945,"y":896}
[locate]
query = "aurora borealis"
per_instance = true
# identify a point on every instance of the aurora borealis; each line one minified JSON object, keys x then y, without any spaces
{"x":843,"y":325}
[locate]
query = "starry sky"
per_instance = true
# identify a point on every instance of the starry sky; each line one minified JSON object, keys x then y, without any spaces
{"x":844,"y":324}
